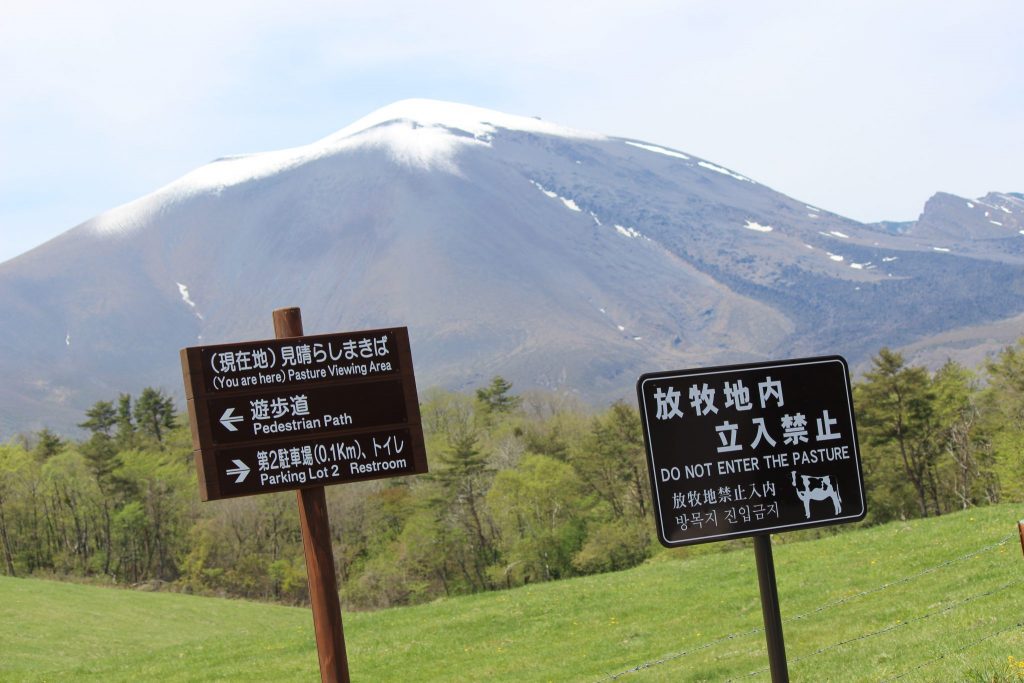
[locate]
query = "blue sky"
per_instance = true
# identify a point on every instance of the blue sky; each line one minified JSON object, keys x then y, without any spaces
{"x":862,"y":107}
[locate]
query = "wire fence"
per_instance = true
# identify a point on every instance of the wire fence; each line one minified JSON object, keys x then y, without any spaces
{"x":964,"y":648}
{"x":897,"y":625}
{"x":841,"y":601}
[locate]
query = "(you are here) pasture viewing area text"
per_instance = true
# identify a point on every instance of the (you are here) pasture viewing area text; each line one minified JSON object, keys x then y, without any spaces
{"x":933,"y":599}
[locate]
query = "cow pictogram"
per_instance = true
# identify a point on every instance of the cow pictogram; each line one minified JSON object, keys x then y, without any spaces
{"x":817,"y":488}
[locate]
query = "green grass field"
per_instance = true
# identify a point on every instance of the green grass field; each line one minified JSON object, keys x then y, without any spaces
{"x":868,"y":605}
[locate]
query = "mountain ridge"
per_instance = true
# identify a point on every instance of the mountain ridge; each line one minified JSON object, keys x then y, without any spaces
{"x":557,"y":258}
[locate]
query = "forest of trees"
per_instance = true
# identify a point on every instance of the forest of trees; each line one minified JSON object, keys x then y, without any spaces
{"x":522,"y":488}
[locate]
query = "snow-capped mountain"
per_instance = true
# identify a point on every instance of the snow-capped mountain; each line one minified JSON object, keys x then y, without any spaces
{"x":508,"y":245}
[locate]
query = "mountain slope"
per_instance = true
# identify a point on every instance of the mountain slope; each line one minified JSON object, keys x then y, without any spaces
{"x":508,"y":245}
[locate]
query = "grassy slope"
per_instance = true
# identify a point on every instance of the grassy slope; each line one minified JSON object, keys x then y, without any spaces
{"x":584,"y":629}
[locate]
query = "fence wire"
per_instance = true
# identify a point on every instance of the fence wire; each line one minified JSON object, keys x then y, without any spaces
{"x":683,"y":653}
{"x":897,"y":625}
{"x":826,"y":606}
{"x":968,"y":646}
{"x":900,"y":581}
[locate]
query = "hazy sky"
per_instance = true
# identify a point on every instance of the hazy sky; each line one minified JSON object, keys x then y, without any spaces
{"x":861,"y":107}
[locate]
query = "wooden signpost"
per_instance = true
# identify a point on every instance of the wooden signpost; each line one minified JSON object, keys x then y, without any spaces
{"x":298,"y":413}
{"x":750,"y":450}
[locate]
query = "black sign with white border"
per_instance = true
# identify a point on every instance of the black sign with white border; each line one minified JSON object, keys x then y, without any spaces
{"x":740,"y":450}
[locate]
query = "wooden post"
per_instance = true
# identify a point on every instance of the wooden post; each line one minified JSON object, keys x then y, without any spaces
{"x":770,"y":608}
{"x":316,"y":541}
{"x":1020,"y":528}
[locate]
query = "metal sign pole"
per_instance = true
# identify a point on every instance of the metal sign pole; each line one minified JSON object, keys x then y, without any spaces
{"x":761,"y":448}
{"x":316,"y":541}
{"x":770,"y":608}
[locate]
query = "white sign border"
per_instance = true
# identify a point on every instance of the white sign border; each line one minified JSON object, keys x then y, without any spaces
{"x":745,"y":368}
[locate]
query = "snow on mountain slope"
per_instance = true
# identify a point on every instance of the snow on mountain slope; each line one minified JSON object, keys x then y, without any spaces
{"x":508,"y":245}
{"x":417,"y":133}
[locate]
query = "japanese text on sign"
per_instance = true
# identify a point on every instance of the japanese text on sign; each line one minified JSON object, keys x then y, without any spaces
{"x":303,"y":411}
{"x":298,"y":355}
{"x":734,"y":451}
{"x":323,"y":358}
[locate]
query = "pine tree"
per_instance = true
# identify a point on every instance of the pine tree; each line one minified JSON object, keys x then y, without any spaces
{"x":495,"y":398}
{"x":102,"y":417}
{"x":154,"y":413}
{"x":48,"y":444}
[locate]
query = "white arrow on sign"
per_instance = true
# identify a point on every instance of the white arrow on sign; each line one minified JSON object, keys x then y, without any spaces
{"x":241,"y":470}
{"x":229,"y":417}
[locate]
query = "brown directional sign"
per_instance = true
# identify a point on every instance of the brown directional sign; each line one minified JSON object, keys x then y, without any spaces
{"x":748,"y":449}
{"x":299,"y":411}
{"x":290,"y":413}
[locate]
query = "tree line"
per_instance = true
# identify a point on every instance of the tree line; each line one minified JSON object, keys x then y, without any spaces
{"x":522,"y":488}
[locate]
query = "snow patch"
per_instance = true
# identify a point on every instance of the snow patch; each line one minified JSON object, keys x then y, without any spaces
{"x":996,"y":223}
{"x":970,"y":205}
{"x":658,"y":150}
{"x":1004,"y":209}
{"x":596,"y":219}
{"x":944,"y":250}
{"x":834,"y":257}
{"x":67,"y":339}
{"x":757,"y":227}
{"x":638,"y":338}
{"x":621,"y":328}
{"x":415,"y":146}
{"x":812,"y":208}
{"x":477,"y":121}
{"x":812,"y":215}
{"x":857,"y":266}
{"x":723,"y":171}
{"x":628,"y":232}
{"x":836,"y":233}
{"x":549,"y":193}
{"x":889,"y":259}
{"x":183,"y":290}
{"x":569,"y":204}
{"x":408,"y":143}
{"x":125,"y":218}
